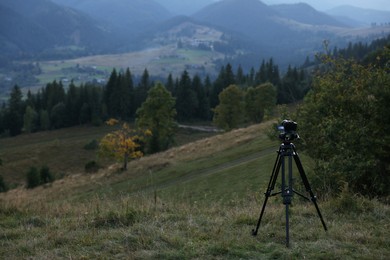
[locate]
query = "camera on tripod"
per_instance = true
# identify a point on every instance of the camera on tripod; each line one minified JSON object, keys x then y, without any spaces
{"x":288,"y":130}
{"x":284,"y":164}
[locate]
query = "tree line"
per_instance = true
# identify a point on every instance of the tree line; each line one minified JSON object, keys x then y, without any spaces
{"x":55,"y":106}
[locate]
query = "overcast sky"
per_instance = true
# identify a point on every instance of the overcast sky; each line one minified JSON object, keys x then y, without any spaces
{"x":324,"y":5}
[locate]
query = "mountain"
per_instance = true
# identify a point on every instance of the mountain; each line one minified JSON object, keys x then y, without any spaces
{"x":128,"y":18}
{"x":251,"y":18}
{"x":359,"y":16}
{"x":21,"y":38}
{"x":34,"y":26}
{"x":268,"y":31}
{"x":184,"y":7}
{"x":306,"y":14}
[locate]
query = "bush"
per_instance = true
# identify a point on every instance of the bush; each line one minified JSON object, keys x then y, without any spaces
{"x":345,"y":125}
{"x":91,"y":167}
{"x":36,"y":178}
{"x":33,"y":178}
{"x":93,"y":145}
{"x":3,"y":185}
{"x":45,"y":175}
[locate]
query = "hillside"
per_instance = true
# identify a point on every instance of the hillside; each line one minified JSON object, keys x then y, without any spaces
{"x":148,"y":35}
{"x":251,"y":18}
{"x":127,"y":18}
{"x":199,"y":200}
{"x":263,"y":31}
{"x":306,"y":14}
{"x":360,"y":16}
{"x":42,"y":26}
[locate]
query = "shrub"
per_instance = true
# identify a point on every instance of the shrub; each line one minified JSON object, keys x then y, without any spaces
{"x":33,"y":178}
{"x":45,"y":175}
{"x":345,"y":124}
{"x":3,"y":185}
{"x":92,"y":145}
{"x":92,"y":167}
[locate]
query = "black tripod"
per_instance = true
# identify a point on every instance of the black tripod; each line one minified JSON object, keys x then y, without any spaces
{"x":287,"y":149}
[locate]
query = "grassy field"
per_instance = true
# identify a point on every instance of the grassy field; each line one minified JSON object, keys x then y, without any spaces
{"x":63,"y":151}
{"x":199,"y":200}
{"x":159,"y":62}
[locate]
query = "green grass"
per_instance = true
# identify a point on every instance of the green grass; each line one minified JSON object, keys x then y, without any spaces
{"x":61,"y":150}
{"x":159,"y":62}
{"x":196,"y":201}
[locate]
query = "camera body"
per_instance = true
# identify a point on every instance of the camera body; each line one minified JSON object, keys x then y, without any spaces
{"x":288,"y":130}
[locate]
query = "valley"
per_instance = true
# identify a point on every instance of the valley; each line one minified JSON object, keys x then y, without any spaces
{"x":198,"y":191}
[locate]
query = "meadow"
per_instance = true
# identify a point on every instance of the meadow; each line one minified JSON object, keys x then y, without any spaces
{"x":160,"y":62}
{"x":198,"y":200}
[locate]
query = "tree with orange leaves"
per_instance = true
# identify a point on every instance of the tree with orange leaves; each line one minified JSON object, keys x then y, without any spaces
{"x":123,"y":144}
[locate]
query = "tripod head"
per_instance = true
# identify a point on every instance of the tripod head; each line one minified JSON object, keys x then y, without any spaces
{"x":288,"y":131}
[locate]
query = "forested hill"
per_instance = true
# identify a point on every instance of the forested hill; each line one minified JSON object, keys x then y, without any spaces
{"x":35,"y":26}
{"x":251,"y":18}
{"x":124,"y":16}
{"x":306,"y":14}
{"x":56,"y":28}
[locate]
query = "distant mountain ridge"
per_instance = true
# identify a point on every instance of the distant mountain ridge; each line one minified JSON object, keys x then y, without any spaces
{"x":252,"y":18}
{"x":359,"y":16}
{"x":306,"y":14}
{"x":267,"y":30}
{"x":35,"y":26}
{"x":121,"y":13}
{"x":86,"y":27}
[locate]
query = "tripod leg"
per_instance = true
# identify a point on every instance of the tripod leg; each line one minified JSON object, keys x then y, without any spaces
{"x":271,"y":186}
{"x":287,"y":194}
{"x":287,"y":228}
{"x":307,"y":186}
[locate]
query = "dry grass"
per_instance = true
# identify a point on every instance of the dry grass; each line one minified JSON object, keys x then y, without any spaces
{"x":136,"y":227}
{"x":73,"y":219}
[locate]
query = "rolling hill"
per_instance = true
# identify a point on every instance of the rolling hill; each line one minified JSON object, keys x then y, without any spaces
{"x":240,"y":32}
{"x":359,"y":16}
{"x":42,"y":25}
{"x":263,"y":30}
{"x":196,"y":201}
{"x":304,"y":13}
{"x":126,"y":17}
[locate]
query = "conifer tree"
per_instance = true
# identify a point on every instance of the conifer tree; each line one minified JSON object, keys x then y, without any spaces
{"x":141,"y":91}
{"x":186,"y":99}
{"x":14,"y":116}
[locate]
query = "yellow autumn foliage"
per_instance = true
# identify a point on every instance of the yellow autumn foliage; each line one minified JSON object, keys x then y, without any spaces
{"x":123,"y":144}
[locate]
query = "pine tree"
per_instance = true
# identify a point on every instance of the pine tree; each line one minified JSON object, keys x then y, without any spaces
{"x":186,"y":98}
{"x":14,"y":116}
{"x":108,"y":92}
{"x":73,"y":104}
{"x":141,"y":92}
{"x":203,"y":108}
{"x":170,"y":85}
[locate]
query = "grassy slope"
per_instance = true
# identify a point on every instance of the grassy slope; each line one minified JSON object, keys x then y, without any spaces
{"x":199,"y":200}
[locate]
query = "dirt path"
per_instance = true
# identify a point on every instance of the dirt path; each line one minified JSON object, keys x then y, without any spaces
{"x":208,"y":171}
{"x":209,"y":129}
